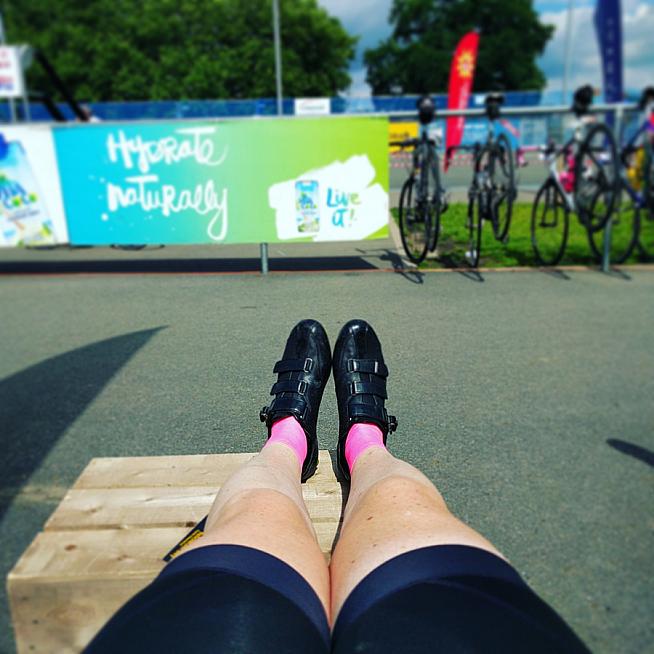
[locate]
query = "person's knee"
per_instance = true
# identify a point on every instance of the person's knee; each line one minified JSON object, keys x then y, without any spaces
{"x":406,"y":491}
{"x":263,"y":501}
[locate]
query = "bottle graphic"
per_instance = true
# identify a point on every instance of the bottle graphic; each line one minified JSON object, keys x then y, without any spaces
{"x":24,"y":219}
{"x":307,"y":212}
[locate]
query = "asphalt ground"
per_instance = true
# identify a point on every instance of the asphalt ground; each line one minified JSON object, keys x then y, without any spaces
{"x":526,"y":397}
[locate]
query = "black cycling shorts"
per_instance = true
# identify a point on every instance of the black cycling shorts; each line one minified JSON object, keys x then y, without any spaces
{"x":234,"y":599}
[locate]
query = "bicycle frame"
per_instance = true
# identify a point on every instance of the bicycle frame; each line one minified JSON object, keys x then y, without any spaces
{"x":481,"y":180}
{"x":425,"y":160}
{"x":566,"y":178}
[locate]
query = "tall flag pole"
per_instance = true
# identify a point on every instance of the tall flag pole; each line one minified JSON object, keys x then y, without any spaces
{"x":462,"y":72}
{"x":608,"y":24}
{"x":567,"y":49}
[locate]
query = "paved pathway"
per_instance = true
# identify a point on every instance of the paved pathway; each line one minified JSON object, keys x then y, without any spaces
{"x":526,"y":397}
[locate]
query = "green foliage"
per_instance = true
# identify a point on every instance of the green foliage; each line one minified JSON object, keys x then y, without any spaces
{"x":169,"y":49}
{"x":417,"y":56}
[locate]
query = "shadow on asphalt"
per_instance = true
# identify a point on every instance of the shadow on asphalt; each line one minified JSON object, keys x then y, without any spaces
{"x":399,"y":266}
{"x":277,"y":264}
{"x":640,"y":453}
{"x":614,"y":272}
{"x":451,"y":261}
{"x":37,"y":405}
{"x":417,"y":277}
{"x":557,"y":274}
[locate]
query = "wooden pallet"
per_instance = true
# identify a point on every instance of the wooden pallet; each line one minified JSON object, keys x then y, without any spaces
{"x":106,"y":539}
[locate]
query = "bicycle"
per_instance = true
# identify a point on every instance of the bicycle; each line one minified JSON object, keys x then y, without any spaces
{"x":588,"y":185}
{"x":492,"y":190}
{"x":637,"y":188}
{"x":422,"y":199}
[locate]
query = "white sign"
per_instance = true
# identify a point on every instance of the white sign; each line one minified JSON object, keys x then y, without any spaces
{"x":312,"y":106}
{"x":11,"y":73}
{"x":336,"y":203}
{"x":31,"y":209}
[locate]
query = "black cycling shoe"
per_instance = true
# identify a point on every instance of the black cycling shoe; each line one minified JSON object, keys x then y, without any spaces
{"x":360,"y":378}
{"x":303,"y":374}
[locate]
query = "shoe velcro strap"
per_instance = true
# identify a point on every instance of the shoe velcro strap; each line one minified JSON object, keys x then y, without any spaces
{"x":371,"y":413}
{"x":291,"y":405}
{"x":375,"y":414}
{"x":291,"y":365}
{"x":368,"y":388}
{"x":370,"y":366}
{"x":289,"y":386}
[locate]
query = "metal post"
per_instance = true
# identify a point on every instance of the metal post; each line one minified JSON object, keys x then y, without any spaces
{"x":606,"y":253}
{"x":263,"y":251}
{"x":566,"y":56}
{"x":278,"y":57}
{"x":25,"y":55}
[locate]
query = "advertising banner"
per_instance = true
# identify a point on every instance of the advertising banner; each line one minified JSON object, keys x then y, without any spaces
{"x":31,"y":211}
{"x":401,"y":131}
{"x":11,"y":73}
{"x":462,"y":72}
{"x":225,"y":182}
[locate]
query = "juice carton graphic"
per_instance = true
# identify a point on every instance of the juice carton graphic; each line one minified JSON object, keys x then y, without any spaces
{"x":307,"y":211}
{"x":340,"y":201}
{"x":24,"y":219}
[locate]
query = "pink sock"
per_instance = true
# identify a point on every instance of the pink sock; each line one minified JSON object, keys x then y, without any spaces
{"x":288,"y":431}
{"x":360,"y":437}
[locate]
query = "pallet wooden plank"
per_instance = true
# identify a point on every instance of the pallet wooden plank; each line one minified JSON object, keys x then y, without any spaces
{"x":96,"y":554}
{"x":181,"y":470}
{"x":108,"y":553}
{"x":106,"y":539}
{"x":69,"y":583}
{"x":117,"y":508}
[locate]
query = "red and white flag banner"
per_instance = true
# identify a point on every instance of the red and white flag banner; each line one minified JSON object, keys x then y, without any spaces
{"x":462,"y":72}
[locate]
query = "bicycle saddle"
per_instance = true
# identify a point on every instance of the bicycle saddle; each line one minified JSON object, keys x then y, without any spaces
{"x":582,"y":99}
{"x":426,"y":109}
{"x":493,"y":102}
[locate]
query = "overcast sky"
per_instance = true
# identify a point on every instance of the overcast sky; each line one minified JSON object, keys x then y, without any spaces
{"x":369,"y":20}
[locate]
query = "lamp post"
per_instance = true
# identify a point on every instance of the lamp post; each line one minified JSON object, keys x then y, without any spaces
{"x":278,"y":56}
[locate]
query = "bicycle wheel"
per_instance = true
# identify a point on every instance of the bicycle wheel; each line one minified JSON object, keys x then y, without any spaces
{"x":504,"y":190}
{"x":597,"y":169}
{"x":549,"y":224}
{"x":435,"y":201}
{"x":625,"y":222}
{"x":414,"y":222}
{"x":646,"y":237}
{"x":475,"y":222}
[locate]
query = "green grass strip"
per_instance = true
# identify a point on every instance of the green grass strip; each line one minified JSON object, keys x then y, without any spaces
{"x":517,"y":251}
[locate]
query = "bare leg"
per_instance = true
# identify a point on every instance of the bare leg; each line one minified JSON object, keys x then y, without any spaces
{"x":261,"y":506}
{"x":392,"y":508}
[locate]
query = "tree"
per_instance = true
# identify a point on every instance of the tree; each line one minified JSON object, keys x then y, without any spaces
{"x":417,"y":56}
{"x":169,"y":49}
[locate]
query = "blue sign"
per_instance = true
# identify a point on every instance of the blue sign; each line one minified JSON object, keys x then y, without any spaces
{"x":608,"y":23}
